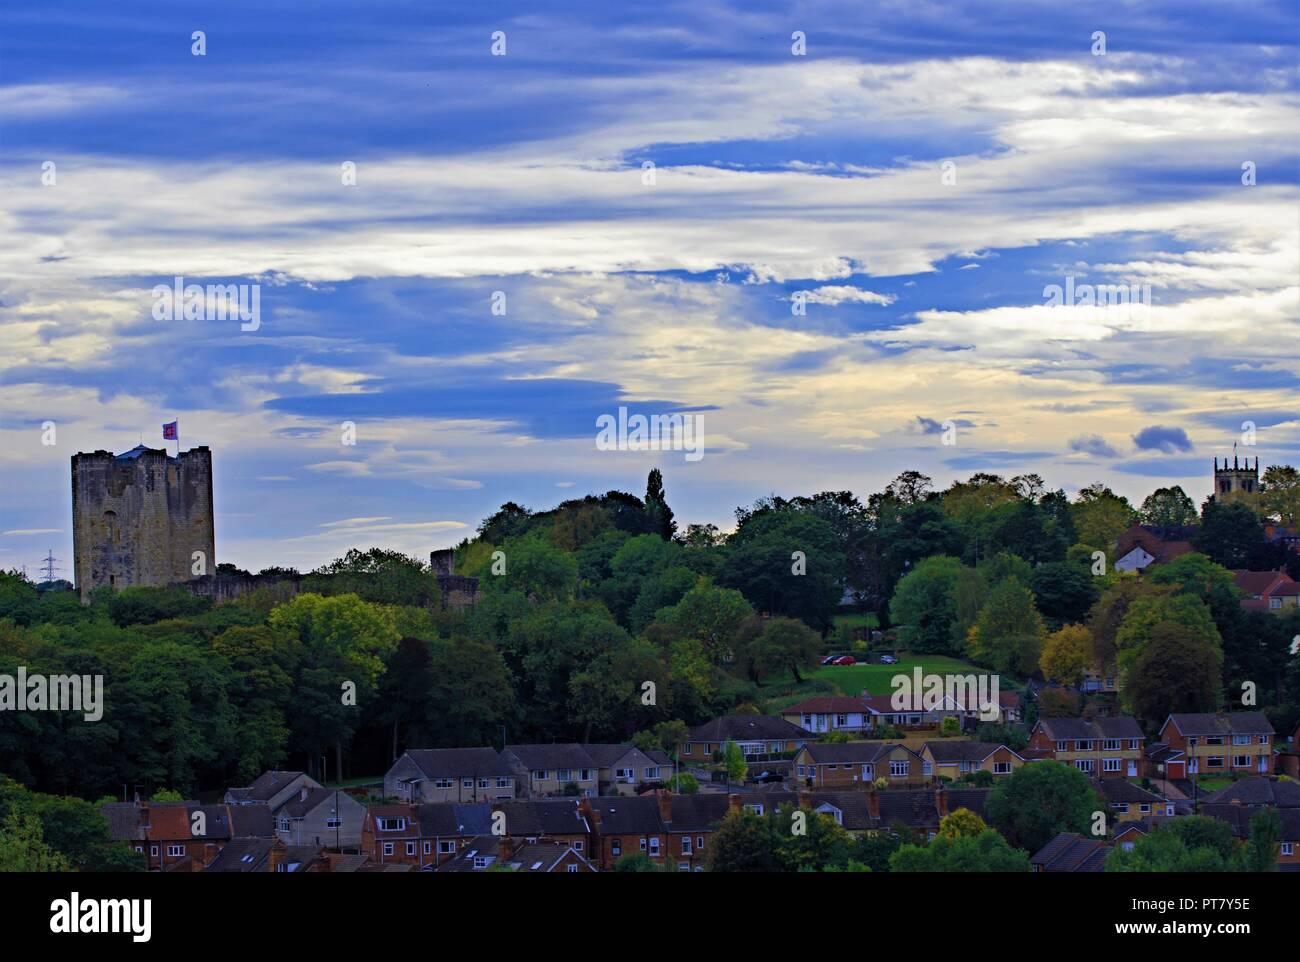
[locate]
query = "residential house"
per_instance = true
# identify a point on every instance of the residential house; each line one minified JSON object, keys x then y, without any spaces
{"x":1164,"y":762}
{"x":497,"y":853}
{"x":244,"y":855}
{"x":626,"y":770}
{"x":857,"y":765}
{"x":831,"y":713}
{"x":1272,"y":591}
{"x":1143,"y":545}
{"x":760,"y":737}
{"x":1238,"y":816}
{"x":1102,"y":747}
{"x":1239,"y":741}
{"x":954,"y":757}
{"x":544,"y":770}
{"x":272,"y":789}
{"x":450,"y":775}
{"x":168,"y":833}
{"x":1129,"y":802}
{"x":1069,"y":852}
{"x":624,"y":826}
{"x":1257,"y":793}
{"x":320,"y":816}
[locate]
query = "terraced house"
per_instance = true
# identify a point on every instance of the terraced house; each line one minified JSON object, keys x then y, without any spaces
{"x":1100,"y":747}
{"x":760,"y":737}
{"x":1240,"y":741}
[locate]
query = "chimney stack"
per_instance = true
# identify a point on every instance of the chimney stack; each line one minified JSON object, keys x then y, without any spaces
{"x":873,"y":802}
{"x":665,"y":806}
{"x":503,"y":848}
{"x":805,"y":799}
{"x":941,"y":800}
{"x":733,"y":803}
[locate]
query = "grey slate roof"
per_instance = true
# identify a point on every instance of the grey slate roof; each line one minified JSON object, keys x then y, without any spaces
{"x":268,"y":785}
{"x":1259,"y":791}
{"x":629,"y":816}
{"x":1071,"y":853}
{"x":1073,"y":729}
{"x":747,"y":728}
{"x":1122,"y":790}
{"x":960,"y":750}
{"x":242,"y":855}
{"x":1228,"y":723}
{"x":299,"y":807}
{"x":851,"y":753}
{"x":455,"y":819}
{"x":459,"y":762}
{"x":542,"y":758}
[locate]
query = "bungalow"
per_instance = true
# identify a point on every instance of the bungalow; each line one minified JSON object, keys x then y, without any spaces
{"x":1267,"y":590}
{"x":545,"y":770}
{"x":1070,"y":853}
{"x":626,"y":770}
{"x":953,"y":758}
{"x":1104,"y":747}
{"x":450,"y":775}
{"x":832,"y":713}
{"x":760,"y":737}
{"x":857,"y":765}
{"x":1239,"y":741}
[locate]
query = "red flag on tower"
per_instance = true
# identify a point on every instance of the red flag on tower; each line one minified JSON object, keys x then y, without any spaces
{"x":169,"y":431}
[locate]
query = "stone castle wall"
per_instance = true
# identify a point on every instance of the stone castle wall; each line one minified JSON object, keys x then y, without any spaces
{"x":138,"y":518}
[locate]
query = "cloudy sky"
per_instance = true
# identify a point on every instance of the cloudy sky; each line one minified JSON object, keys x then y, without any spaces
{"x":915,"y":180}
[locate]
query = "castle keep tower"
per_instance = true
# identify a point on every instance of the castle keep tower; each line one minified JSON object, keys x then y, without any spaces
{"x":1232,"y":482}
{"x":139,"y":517}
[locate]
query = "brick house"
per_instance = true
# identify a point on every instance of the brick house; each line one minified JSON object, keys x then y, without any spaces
{"x":857,"y":765}
{"x":1146,"y":544}
{"x":1239,"y":741}
{"x":831,"y":713}
{"x":760,"y":737}
{"x":626,"y":770}
{"x":1267,"y":590}
{"x":1069,"y":852}
{"x":1129,"y":802}
{"x":1102,"y":747}
{"x":169,"y":833}
{"x":450,"y":775}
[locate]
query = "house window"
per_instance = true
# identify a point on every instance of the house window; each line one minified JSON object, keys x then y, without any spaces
{"x":708,"y":749}
{"x":841,"y":721}
{"x":807,"y":720}
{"x":444,"y":783}
{"x":1001,"y":768}
{"x":284,"y":825}
{"x":467,"y":783}
{"x":1214,"y":739}
{"x":175,"y":851}
{"x":927,"y":768}
{"x":1263,"y":739}
{"x":803,"y":771}
{"x":616,"y":847}
{"x":654,"y":846}
{"x":333,"y":821}
{"x":1084,"y":745}
{"x":153,"y":850}
{"x":388,"y":848}
{"x":1241,"y":761}
{"x":1121,"y":807}
{"x":1241,"y":739}
{"x":1062,"y":746}
{"x":446,"y":848}
{"x":577,"y":845}
{"x":1214,"y":761}
{"x":686,"y":845}
{"x":1083,"y":764}
{"x":652,"y":773}
{"x":699,"y":843}
{"x":644,"y":843}
{"x":480,"y":861}
{"x":683,"y":866}
{"x":1112,"y":764}
{"x":1288,"y":848}
{"x":428,"y":848}
{"x":389,"y":824}
{"x":623,"y":773}
{"x":898,"y":769}
{"x":410,"y":848}
{"x":1133,"y":744}
{"x":482,"y":783}
{"x":1145,"y":808}
{"x":1275,"y":602}
{"x":571,"y":868}
{"x":867,"y":771}
{"x":755,"y":807}
{"x":539,"y":776}
{"x":1110,"y":745}
{"x":503,"y":782}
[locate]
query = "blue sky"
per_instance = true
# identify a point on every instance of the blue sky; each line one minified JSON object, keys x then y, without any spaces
{"x":775,"y":174}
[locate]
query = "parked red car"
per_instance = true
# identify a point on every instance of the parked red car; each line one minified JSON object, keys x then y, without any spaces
{"x":844,"y":660}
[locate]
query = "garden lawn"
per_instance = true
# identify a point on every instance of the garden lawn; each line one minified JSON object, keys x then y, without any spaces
{"x":874,"y":679}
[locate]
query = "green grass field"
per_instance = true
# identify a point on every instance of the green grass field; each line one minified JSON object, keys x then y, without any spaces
{"x":874,"y":679}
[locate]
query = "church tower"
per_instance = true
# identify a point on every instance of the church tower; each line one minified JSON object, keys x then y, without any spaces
{"x":1231,"y":483}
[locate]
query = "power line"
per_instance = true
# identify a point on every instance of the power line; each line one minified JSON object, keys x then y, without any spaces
{"x":48,"y":565}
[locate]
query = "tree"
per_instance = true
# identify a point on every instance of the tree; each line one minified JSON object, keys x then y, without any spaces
{"x":961,"y":823}
{"x":640,"y":862}
{"x":910,"y":487}
{"x":656,"y":506}
{"x":1063,"y":592}
{"x":1262,"y":846}
{"x":683,"y":783}
{"x":1280,"y":494}
{"x":985,"y":852}
{"x":710,"y":615}
{"x":1169,"y":508}
{"x":924,"y":606}
{"x":1178,"y":670}
{"x":377,"y":575}
{"x":1009,"y":633}
{"x":1229,"y":533}
{"x":1191,"y":844}
{"x":744,"y":842}
{"x":536,"y":568}
{"x":1152,"y":610}
{"x":813,"y":843}
{"x":1067,"y":655}
{"x":778,"y":644}
{"x":733,"y":760}
{"x":1101,"y":516}
{"x":1037,"y":802}
{"x":787,"y":562}
{"x":610,"y":698}
{"x":23,"y":848}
